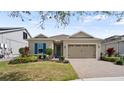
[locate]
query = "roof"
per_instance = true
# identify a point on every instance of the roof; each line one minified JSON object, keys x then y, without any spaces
{"x":81,"y":34}
{"x":62,"y":36}
{"x":40,"y":36}
{"x":113,"y":38}
{"x":4,"y":30}
{"x":77,"y":36}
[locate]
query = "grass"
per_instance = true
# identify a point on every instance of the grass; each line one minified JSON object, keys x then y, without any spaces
{"x":39,"y":71}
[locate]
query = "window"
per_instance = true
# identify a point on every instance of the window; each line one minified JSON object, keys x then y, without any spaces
{"x":40,"y":50}
{"x":25,"y":35}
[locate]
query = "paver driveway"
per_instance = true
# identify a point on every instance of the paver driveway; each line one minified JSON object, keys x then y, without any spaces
{"x":92,"y":68}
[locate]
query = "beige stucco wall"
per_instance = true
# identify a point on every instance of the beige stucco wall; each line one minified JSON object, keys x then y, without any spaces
{"x":94,"y":42}
{"x":65,"y":45}
{"x":49,"y":44}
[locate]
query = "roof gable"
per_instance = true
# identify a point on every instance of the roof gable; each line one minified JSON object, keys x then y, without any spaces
{"x":40,"y":36}
{"x":81,"y":35}
{"x":62,"y":36}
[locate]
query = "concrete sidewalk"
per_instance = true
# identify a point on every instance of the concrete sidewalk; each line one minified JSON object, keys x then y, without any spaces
{"x":105,"y":79}
{"x":101,"y":79}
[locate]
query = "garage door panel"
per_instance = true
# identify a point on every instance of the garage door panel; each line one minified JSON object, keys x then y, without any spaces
{"x":81,"y":51}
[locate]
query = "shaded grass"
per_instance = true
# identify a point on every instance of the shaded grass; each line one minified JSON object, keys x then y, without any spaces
{"x":41,"y":71}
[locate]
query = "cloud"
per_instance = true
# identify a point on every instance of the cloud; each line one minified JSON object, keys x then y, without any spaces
{"x":93,"y":18}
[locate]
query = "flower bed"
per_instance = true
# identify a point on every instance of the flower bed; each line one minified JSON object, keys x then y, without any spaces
{"x":25,"y":59}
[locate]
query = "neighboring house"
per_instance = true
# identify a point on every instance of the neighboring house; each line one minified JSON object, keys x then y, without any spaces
{"x":78,"y":45}
{"x":11,"y":39}
{"x":116,"y":42}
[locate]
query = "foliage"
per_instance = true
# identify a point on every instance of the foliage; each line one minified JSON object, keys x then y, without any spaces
{"x":49,"y":51}
{"x":63,"y":17}
{"x":21,"y":51}
{"x":66,"y":61}
{"x":120,"y":62}
{"x":110,"y":51}
{"x":111,"y":59}
{"x":62,"y":58}
{"x":24,"y":51}
{"x":42,"y":56}
{"x":25,"y":59}
{"x":101,"y":56}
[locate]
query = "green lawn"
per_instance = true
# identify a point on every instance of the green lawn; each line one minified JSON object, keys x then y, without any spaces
{"x":41,"y":71}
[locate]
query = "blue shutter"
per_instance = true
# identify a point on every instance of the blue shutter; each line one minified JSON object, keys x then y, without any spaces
{"x":44,"y":48}
{"x":36,"y":48}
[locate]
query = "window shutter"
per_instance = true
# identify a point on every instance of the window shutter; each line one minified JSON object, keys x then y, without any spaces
{"x":44,"y":48}
{"x":36,"y":48}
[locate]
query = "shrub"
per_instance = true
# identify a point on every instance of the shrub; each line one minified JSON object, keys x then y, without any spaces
{"x":14,"y":61}
{"x":110,"y":51}
{"x":49,"y":51}
{"x":23,"y":60}
{"x":62,"y":58}
{"x":111,"y":59}
{"x":24,"y":51}
{"x":21,"y":51}
{"x":44,"y":56}
{"x":120,"y":62}
{"x":66,"y":61}
{"x":101,"y":56}
{"x":39,"y":56}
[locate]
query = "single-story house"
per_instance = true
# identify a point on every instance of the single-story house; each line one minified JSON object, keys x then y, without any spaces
{"x":13,"y":38}
{"x":116,"y":42}
{"x":78,"y":45}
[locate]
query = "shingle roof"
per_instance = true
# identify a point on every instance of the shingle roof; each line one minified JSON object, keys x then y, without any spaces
{"x":12,"y":29}
{"x":81,"y":34}
{"x":62,"y":36}
{"x":40,"y":36}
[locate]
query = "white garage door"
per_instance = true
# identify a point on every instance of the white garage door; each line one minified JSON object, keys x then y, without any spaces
{"x":82,"y":51}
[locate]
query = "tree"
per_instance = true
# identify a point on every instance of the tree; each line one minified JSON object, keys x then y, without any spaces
{"x":62,"y":17}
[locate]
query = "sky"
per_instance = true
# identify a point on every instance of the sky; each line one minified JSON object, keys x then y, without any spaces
{"x":99,"y":26}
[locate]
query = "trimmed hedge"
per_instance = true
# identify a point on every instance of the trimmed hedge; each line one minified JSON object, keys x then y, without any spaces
{"x":119,"y":62}
{"x":111,"y":59}
{"x":26,"y":59}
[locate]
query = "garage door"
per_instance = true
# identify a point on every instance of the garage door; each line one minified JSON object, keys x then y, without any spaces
{"x":82,"y":51}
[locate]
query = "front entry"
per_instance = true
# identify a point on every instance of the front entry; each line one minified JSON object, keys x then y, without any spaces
{"x":58,"y":50}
